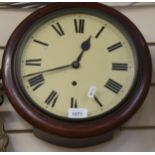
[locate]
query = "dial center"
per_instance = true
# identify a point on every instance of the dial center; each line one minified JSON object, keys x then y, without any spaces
{"x":76,"y":65}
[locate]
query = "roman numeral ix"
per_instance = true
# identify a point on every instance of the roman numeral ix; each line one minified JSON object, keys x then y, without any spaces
{"x":113,"y":86}
{"x":36,"y":81}
{"x":73,"y":103}
{"x":58,"y":29}
{"x":33,"y":62}
{"x":79,"y":25}
{"x":52,"y":98}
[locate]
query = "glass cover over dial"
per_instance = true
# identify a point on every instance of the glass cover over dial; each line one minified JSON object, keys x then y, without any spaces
{"x":76,"y":65}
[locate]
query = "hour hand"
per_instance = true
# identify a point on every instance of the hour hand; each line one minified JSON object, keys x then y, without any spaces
{"x":85,"y":46}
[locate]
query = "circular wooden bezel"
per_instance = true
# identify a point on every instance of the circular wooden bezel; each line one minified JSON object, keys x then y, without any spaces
{"x":76,"y":129}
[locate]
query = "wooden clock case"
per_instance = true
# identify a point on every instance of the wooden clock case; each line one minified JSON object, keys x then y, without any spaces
{"x":78,"y":133}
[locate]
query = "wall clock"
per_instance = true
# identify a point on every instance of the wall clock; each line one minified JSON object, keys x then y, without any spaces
{"x":76,"y":72}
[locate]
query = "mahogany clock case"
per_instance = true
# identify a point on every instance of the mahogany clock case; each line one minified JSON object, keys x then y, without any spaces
{"x":77,"y":129}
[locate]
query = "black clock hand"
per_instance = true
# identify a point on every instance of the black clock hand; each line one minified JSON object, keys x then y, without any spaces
{"x":49,"y":70}
{"x":85,"y":46}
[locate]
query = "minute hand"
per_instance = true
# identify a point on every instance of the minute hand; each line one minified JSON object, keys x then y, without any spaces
{"x":48,"y":70}
{"x":85,"y":46}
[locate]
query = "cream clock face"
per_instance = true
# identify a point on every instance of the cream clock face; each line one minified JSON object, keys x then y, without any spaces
{"x":76,"y":66}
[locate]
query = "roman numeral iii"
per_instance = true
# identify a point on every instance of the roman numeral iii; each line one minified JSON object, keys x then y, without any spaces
{"x":52,"y":98}
{"x":36,"y":81}
{"x":79,"y":25}
{"x":119,"y":66}
{"x":58,"y":29}
{"x":113,"y":86}
{"x":73,"y":103}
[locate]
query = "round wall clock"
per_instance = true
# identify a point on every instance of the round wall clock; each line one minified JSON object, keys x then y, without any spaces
{"x":76,"y":72}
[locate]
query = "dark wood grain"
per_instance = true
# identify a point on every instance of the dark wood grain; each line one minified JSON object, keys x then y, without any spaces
{"x":73,"y":142}
{"x":77,"y":130}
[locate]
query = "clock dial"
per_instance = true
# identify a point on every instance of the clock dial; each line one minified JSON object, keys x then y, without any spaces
{"x":77,"y":65}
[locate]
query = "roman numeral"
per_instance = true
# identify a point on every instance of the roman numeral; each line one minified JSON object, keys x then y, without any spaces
{"x":113,"y":86}
{"x":98,"y":101}
{"x":33,"y":62}
{"x":115,"y":46}
{"x":58,"y":29}
{"x":79,"y":25}
{"x":36,"y":81}
{"x":73,"y":103}
{"x":100,"y":31}
{"x":52,"y":98}
{"x":40,"y":42}
{"x":119,"y":66}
